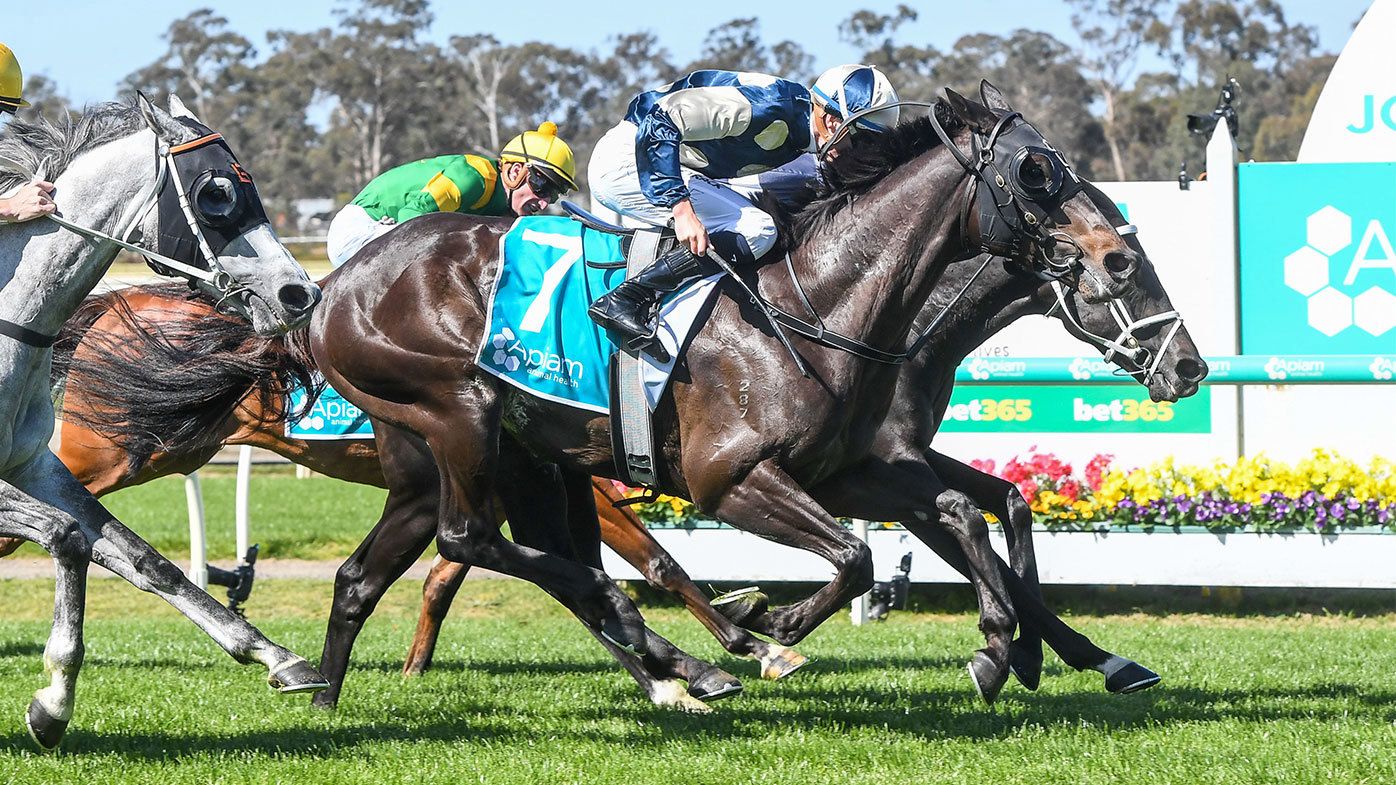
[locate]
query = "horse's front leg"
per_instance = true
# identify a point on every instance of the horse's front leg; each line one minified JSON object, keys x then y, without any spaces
{"x":1001,"y":497}
{"x":885,"y":489}
{"x":123,"y":552}
{"x":465,"y":444}
{"x":769,"y":503}
{"x":25,"y":518}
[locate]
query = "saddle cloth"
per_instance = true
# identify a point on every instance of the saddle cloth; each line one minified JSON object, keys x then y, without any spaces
{"x":538,"y":336}
{"x":330,"y":418}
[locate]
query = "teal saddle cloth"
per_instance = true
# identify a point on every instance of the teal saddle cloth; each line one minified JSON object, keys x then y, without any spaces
{"x":539,"y":337}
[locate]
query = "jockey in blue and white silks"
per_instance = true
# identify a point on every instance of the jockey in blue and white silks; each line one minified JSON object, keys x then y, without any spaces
{"x":699,"y":151}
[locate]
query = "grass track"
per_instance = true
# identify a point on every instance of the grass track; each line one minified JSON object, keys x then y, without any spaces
{"x":521,"y":695}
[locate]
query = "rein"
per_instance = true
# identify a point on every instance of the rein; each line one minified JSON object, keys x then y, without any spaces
{"x":1023,"y":225}
{"x":215,"y":276}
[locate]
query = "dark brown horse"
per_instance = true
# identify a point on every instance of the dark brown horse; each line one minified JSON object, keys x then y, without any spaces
{"x":399,"y":335}
{"x":237,"y":396}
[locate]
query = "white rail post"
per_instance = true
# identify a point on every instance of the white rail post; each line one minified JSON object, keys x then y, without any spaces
{"x":240,"y":501}
{"x":198,"y":546}
{"x":859,"y":611}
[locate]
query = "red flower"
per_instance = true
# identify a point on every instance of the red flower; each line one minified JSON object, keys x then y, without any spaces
{"x":1029,"y":490}
{"x":985,"y":465}
{"x":1096,"y":469}
{"x":1071,"y":489}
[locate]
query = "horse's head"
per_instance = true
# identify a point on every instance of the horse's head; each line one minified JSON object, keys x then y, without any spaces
{"x":210,"y":217}
{"x":1029,"y":205}
{"x":1140,"y":331}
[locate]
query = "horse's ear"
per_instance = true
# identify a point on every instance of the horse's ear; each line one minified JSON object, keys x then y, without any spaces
{"x":148,"y":111}
{"x":992,"y":98}
{"x":178,"y":109}
{"x":973,"y":114}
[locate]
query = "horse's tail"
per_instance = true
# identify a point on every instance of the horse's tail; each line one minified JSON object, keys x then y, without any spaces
{"x":166,"y":378}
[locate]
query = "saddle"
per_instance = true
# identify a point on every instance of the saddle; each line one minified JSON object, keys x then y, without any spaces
{"x":632,"y":426}
{"x":590,"y":220}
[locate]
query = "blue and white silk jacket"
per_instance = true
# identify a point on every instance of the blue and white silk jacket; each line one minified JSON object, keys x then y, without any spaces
{"x":720,"y":123}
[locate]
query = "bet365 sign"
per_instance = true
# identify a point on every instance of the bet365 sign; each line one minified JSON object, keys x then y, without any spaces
{"x":1318,"y":270}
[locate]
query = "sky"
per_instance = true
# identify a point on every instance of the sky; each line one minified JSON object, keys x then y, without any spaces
{"x":87,"y":46}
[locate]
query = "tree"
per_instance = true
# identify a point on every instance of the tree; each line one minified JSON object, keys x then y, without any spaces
{"x":44,"y":100}
{"x":1041,"y":77}
{"x":737,"y":46}
{"x":382,"y":81}
{"x":1114,"y":32}
{"x":205,"y":65}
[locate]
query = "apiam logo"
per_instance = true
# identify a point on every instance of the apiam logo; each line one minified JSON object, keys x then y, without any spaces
{"x":505,"y":344}
{"x":982,"y":369}
{"x":1382,"y":368}
{"x":511,"y":355}
{"x":1306,"y":271}
{"x":1279,"y":369}
{"x":1080,"y":369}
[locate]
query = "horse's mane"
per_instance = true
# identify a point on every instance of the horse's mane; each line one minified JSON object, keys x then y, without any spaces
{"x":48,"y":147}
{"x":868,"y":159}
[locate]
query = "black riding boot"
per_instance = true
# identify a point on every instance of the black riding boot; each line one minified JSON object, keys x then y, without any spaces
{"x":632,"y":308}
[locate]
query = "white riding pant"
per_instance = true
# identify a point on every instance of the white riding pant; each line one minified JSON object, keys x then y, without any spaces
{"x":351,"y":229}
{"x":722,"y":205}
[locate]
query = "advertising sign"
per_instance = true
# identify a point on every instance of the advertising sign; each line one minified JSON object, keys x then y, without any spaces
{"x":1318,"y":272}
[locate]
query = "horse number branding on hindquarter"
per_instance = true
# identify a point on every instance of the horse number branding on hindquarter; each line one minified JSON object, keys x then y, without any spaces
{"x":743,"y":399}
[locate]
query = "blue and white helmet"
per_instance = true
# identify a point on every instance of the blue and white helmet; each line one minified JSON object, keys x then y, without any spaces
{"x":847,"y":89}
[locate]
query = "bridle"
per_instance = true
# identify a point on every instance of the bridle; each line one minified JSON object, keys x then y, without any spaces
{"x":181,"y":200}
{"x":1125,"y":344}
{"x":1018,"y":181}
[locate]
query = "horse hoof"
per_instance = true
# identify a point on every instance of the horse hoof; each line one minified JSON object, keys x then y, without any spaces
{"x":324,"y":700}
{"x":988,"y":678}
{"x":296,"y":676}
{"x":742,"y":606}
{"x":1131,"y":677}
{"x":614,"y":631}
{"x":1025,"y":663}
{"x":783,"y":663}
{"x":45,"y":729}
{"x":715,"y":684}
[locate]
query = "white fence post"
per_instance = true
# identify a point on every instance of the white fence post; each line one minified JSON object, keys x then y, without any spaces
{"x":240,"y":502}
{"x":859,"y":611}
{"x":198,"y":547}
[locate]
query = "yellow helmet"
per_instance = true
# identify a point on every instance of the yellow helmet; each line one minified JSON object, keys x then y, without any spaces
{"x":11,"y":81}
{"x":543,"y":149}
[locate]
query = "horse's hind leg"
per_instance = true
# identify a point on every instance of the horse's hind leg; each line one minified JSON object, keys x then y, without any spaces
{"x":62,"y":536}
{"x":626,"y":535}
{"x":662,"y":658}
{"x":403,"y":532}
{"x":1001,"y":497}
{"x":465,"y":444}
{"x":438,"y":591}
{"x":123,"y":552}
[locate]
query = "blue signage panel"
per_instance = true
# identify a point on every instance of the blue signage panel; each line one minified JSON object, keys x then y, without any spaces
{"x":1318,"y":272}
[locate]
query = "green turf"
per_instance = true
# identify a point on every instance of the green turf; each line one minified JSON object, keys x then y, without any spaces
{"x":521,"y":695}
{"x":315,"y":518}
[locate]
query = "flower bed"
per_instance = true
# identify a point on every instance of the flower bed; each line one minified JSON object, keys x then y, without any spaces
{"x":1323,"y":493}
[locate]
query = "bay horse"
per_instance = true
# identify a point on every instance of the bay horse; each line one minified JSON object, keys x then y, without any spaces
{"x":400,"y":329}
{"x":123,"y":175}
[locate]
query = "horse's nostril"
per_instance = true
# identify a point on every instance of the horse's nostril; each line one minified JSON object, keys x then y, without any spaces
{"x":1191,"y":370}
{"x":1120,"y":264}
{"x":299,"y":297}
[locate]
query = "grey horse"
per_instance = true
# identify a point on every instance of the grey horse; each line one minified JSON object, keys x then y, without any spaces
{"x":137,"y":177}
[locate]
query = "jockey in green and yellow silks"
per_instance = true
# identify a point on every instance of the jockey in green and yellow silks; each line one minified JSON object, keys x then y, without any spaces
{"x":33,"y":199}
{"x":534,"y":170}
